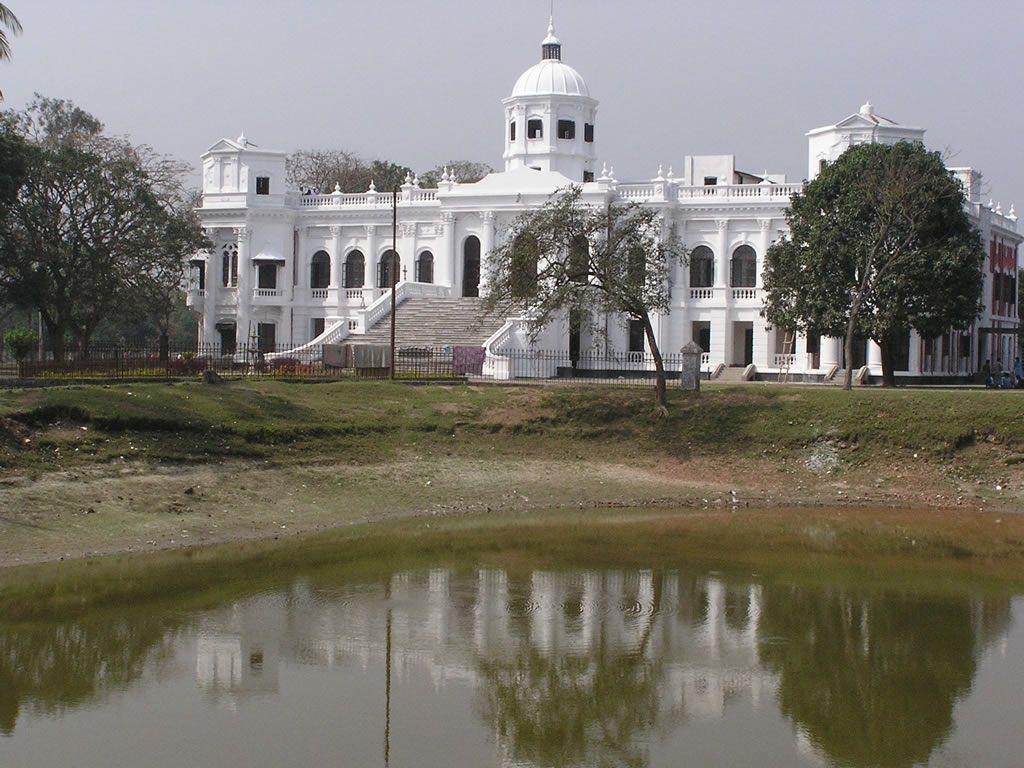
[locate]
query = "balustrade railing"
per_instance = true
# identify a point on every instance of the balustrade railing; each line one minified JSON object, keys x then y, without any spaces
{"x":744,"y":293}
{"x":267,"y":293}
{"x":743,"y":191}
{"x":705,"y":358}
{"x":319,"y":293}
{"x":783,"y":360}
{"x":698,"y":294}
{"x":361,"y":199}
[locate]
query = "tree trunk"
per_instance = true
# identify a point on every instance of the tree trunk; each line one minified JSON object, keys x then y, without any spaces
{"x":164,"y":347}
{"x":660,"y":389}
{"x":888,"y":362}
{"x":848,"y":352}
{"x":57,"y":333}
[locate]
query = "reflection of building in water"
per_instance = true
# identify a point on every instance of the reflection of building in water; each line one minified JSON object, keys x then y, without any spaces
{"x":702,"y":633}
{"x":238,"y":650}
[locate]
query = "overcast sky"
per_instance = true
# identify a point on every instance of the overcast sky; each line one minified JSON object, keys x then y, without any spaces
{"x":420,"y":81}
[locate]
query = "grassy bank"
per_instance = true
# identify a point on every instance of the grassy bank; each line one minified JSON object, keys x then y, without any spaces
{"x":367,"y":421}
{"x":924,"y":551}
{"x":92,"y":470}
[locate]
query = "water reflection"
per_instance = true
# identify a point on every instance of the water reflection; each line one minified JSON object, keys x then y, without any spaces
{"x":566,"y":668}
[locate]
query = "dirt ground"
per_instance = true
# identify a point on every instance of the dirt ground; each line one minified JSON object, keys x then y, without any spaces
{"x":113,"y":509}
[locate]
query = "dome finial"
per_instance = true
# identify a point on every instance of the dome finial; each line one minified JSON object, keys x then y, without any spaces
{"x":551,"y":46}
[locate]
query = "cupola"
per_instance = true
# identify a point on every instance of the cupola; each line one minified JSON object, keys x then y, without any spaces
{"x":550,"y":117}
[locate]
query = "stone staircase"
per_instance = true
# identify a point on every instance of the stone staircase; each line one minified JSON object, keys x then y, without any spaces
{"x":732,"y":374}
{"x":433,"y":322}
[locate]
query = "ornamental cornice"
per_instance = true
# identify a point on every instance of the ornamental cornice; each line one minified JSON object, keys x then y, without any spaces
{"x":335,"y":230}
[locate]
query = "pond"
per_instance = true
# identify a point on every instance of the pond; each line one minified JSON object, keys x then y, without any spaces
{"x":529,"y":666}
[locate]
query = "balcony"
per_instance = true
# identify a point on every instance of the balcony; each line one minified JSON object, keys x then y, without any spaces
{"x":267,"y":295}
{"x":704,"y":295}
{"x":744,"y":294}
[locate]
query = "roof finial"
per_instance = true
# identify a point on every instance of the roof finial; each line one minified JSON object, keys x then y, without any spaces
{"x":551,"y":46}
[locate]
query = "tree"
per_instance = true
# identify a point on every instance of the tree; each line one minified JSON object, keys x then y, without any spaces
{"x":464,"y":171}
{"x":93,"y":217}
{"x":572,"y":257}
{"x":8,"y":23}
{"x":878,"y":243}
{"x":321,"y":169}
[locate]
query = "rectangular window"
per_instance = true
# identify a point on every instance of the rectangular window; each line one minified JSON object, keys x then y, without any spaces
{"x":262,"y":185}
{"x":267,"y":276}
{"x":318,"y":326}
{"x":535,"y":129}
{"x":512,"y":131}
{"x":566,"y":129}
{"x":588,"y":176}
{"x":201,"y":269}
{"x":588,"y":133}
{"x":710,"y":181}
{"x":266,"y":337}
{"x":636,"y":336}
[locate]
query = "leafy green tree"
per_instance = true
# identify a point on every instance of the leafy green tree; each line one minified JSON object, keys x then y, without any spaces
{"x":878,"y":243}
{"x":93,"y":218}
{"x":571,"y":257}
{"x":8,"y":24}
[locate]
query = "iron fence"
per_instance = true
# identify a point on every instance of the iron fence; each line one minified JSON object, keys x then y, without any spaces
{"x":565,"y":367}
{"x":354,"y":360}
{"x":142,"y":362}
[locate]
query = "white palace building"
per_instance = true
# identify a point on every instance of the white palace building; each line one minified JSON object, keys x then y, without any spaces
{"x":293,"y":270}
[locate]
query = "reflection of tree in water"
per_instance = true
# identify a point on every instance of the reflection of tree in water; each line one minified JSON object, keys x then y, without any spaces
{"x":872,"y":679}
{"x":563,"y":709}
{"x":48,"y":668}
{"x":567,"y":710}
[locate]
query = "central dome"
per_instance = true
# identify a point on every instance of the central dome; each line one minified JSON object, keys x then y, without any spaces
{"x":550,"y":76}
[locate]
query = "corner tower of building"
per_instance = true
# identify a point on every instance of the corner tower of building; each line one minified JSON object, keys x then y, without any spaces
{"x":550,"y":118}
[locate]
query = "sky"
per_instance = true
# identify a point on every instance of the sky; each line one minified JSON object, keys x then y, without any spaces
{"x":419,"y":82}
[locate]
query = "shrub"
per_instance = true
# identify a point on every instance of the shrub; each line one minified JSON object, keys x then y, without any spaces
{"x":21,"y":342}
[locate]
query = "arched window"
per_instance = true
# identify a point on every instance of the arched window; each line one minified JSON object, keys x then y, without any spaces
{"x":229,"y":265}
{"x":744,"y":267}
{"x":355,"y":267}
{"x":579,"y":259}
{"x":702,"y":267}
{"x":387,"y":269}
{"x":320,"y":270}
{"x":524,"y":266}
{"x":425,"y":267}
{"x":471,"y":266}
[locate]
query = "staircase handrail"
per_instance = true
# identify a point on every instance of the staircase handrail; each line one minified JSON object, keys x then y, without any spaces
{"x":380,"y":307}
{"x":331,"y":335}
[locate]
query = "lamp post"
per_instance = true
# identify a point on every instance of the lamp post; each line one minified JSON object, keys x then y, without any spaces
{"x":393,"y":277}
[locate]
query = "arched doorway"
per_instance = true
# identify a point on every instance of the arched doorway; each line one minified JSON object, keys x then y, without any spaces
{"x":425,"y":267}
{"x":387,"y":269}
{"x":354,"y":270}
{"x":471,"y":266}
{"x":320,"y":270}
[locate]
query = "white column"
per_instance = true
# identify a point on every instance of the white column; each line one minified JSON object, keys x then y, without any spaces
{"x":765,"y":244}
{"x":447,"y":249}
{"x":801,"y":362}
{"x":370,"y":275}
{"x":212,"y":283}
{"x":874,"y":357}
{"x":335,"y":307}
{"x":831,"y":351}
{"x":407,"y":251}
{"x":914,"y":358}
{"x":486,"y":246}
{"x":724,"y":332}
{"x":294,"y":285}
{"x":243,"y":333}
{"x":722,"y":257}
